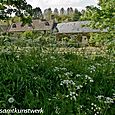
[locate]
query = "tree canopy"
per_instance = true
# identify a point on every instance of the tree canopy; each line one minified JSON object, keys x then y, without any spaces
{"x":18,"y":7}
{"x":102,"y":17}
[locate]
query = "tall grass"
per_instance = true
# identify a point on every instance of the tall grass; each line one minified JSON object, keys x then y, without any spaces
{"x":59,"y":83}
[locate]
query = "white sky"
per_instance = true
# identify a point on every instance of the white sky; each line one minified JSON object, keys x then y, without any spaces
{"x":79,"y":4}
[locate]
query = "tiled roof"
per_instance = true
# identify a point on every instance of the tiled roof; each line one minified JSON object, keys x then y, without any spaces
{"x":36,"y":25}
{"x":76,"y":27}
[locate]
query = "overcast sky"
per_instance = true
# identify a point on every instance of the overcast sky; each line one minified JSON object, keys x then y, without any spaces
{"x":79,"y":4}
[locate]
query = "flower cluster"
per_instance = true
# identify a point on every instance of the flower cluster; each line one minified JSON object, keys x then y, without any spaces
{"x":72,"y":95}
{"x":59,"y":69}
{"x":89,"y":78}
{"x":92,"y":68}
{"x":78,"y":75}
{"x":95,"y":109}
{"x":79,"y":87}
{"x":68,"y":74}
{"x":67,"y":82}
{"x":106,"y":100}
{"x":57,"y":110}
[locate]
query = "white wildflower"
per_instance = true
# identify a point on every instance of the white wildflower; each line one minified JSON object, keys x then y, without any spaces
{"x":52,"y":57}
{"x":78,"y":75}
{"x":63,"y":69}
{"x":97,"y":112}
{"x":74,"y":98}
{"x":72,"y":93}
{"x":57,"y":110}
{"x":35,"y":78}
{"x":67,"y":82}
{"x":92,"y":68}
{"x":79,"y":87}
{"x":92,"y":108}
{"x":95,"y":105}
{"x":92,"y":103}
{"x":98,"y":64}
{"x":68,"y":73}
{"x":100,"y":97}
{"x":91,"y":80}
{"x":109,"y":100}
{"x":49,"y":99}
{"x":81,"y":106}
{"x":67,"y":95}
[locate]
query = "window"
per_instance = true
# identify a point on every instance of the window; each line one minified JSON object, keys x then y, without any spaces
{"x":29,"y":25}
{"x":47,"y":24}
{"x":22,"y":25}
{"x":14,"y":26}
{"x":85,"y":38}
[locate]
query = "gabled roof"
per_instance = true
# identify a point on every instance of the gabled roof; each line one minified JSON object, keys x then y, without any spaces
{"x":36,"y":25}
{"x":76,"y":27}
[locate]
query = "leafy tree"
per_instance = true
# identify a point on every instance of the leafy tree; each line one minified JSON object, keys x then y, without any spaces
{"x":87,"y":14}
{"x":29,"y":10}
{"x":102,"y":17}
{"x":2,"y":13}
{"x":19,"y":4}
{"x":47,"y":13}
{"x":16,"y":6}
{"x":76,"y":15}
{"x":19,"y":7}
{"x":37,"y":13}
{"x":62,"y":11}
{"x":26,"y":20}
{"x":56,"y":12}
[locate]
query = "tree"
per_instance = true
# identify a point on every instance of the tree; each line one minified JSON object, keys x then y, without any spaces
{"x":37,"y":13}
{"x":102,"y":18}
{"x":68,"y":11}
{"x":56,"y":12}
{"x":29,"y":10}
{"x":76,"y":15}
{"x":87,"y":14}
{"x":47,"y":13}
{"x":19,"y":5}
{"x":62,"y":11}
{"x":2,"y":12}
{"x":71,"y":10}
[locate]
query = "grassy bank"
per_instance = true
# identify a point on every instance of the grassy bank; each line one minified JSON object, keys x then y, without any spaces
{"x":59,"y":83}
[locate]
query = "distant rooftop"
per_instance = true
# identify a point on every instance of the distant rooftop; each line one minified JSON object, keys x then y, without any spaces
{"x":76,"y":27}
{"x":36,"y":25}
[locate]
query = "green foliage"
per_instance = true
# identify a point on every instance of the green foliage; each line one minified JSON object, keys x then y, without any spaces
{"x":37,"y":13}
{"x":58,"y":82}
{"x":26,"y":20}
{"x":20,"y":6}
{"x":102,"y":18}
{"x":28,"y":34}
{"x":76,"y":15}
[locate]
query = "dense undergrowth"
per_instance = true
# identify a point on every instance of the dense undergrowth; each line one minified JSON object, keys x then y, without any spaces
{"x":59,"y":83}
